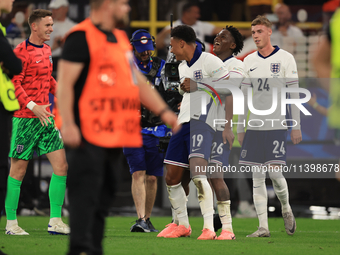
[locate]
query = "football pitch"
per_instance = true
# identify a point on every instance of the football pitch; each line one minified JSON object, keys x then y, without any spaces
{"x":311,"y":237}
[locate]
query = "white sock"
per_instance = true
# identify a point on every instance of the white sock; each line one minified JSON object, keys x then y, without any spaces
{"x":281,"y":190}
{"x":260,"y":200}
{"x":10,"y":223}
{"x":205,"y":198}
{"x":178,"y":202}
{"x":174,"y":216}
{"x":223,"y":208}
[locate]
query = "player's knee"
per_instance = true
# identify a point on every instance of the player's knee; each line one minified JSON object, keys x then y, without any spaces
{"x":138,"y":176}
{"x":151,"y":179}
{"x":172,"y":180}
{"x":61,"y":169}
{"x":173,"y":175}
{"x":18,"y":173}
{"x":64,"y":168}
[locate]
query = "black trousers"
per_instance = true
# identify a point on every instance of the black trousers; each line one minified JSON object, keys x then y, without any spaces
{"x":5,"y":128}
{"x":91,"y":188}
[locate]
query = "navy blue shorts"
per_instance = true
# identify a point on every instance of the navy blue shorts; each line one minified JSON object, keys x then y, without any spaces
{"x":264,"y":148}
{"x":219,"y":151}
{"x":201,"y":139}
{"x":179,"y":145}
{"x":146,"y":158}
{"x":194,"y":140}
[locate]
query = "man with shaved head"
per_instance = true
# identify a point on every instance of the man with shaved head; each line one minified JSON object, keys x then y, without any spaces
{"x":284,"y":26}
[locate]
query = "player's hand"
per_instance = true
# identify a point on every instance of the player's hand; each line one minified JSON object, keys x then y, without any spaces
{"x":71,"y":135}
{"x":170,"y":118}
{"x":228,"y":135}
{"x":240,"y":137}
{"x":41,"y":112}
{"x":188,"y":85}
{"x":296,"y":136}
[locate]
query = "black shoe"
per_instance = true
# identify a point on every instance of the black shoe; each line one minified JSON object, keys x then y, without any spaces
{"x":217,"y":222}
{"x":151,"y":227}
{"x":140,"y":226}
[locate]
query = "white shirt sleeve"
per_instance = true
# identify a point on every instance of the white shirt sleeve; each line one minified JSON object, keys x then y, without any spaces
{"x":242,"y":119}
{"x":291,"y":73}
{"x":295,"y":111}
{"x":237,"y":74}
{"x":292,"y":81}
{"x":215,"y":67}
{"x":245,"y":84}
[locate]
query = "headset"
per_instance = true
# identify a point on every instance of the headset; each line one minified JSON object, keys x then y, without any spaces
{"x":202,"y":43}
{"x":142,"y":39}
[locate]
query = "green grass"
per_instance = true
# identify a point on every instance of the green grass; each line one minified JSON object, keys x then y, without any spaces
{"x":311,"y":237}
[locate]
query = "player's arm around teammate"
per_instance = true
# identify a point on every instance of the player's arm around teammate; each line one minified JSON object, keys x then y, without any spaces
{"x":197,"y":65}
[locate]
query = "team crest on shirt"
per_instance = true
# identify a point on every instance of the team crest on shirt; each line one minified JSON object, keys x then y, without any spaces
{"x":198,"y":76}
{"x":20,"y":148}
{"x":50,"y":57}
{"x":243,"y":153}
{"x":275,"y":68}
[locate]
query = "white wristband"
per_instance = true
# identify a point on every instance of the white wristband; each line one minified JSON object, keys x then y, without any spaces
{"x":30,"y":105}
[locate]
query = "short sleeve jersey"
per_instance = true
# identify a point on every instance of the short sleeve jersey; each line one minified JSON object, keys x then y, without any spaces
{"x":202,"y":66}
{"x":35,"y":81}
{"x":235,"y":68}
{"x":263,"y":74}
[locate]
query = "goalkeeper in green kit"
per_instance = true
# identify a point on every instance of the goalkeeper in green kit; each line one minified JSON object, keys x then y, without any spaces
{"x":33,"y":124}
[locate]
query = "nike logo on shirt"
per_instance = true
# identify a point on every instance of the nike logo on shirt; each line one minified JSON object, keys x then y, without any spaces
{"x":38,"y":61}
{"x":252,"y":69}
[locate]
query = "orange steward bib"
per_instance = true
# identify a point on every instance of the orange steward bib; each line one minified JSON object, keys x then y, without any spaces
{"x":109,"y":106}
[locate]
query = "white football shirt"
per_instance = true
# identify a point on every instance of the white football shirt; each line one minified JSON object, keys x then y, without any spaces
{"x":203,"y":66}
{"x":263,"y":74}
{"x":235,"y":68}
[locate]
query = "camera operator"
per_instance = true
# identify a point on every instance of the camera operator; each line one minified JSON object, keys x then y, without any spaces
{"x":146,"y":163}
